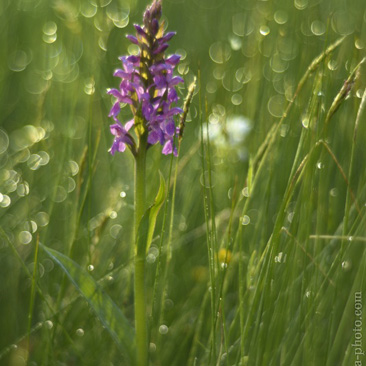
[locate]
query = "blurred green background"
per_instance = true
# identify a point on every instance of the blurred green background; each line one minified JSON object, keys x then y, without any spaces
{"x":61,"y":187}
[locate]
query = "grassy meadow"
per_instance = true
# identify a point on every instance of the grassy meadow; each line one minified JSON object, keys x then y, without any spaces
{"x":258,"y":255}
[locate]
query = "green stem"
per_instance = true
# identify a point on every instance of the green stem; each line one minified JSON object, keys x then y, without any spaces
{"x":140,"y":298}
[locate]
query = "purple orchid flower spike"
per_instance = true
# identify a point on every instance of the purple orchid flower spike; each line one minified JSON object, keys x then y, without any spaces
{"x":148,"y":85}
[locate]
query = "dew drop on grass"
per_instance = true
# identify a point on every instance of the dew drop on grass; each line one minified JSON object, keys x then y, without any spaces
{"x":236,"y":99}
{"x":301,"y":4}
{"x":152,"y":347}
{"x":48,"y":324}
{"x":42,"y":218}
{"x":115,"y":230}
{"x":123,"y":194}
{"x":163,"y":329}
{"x":34,"y":162}
{"x":280,"y":17}
{"x":74,"y":167}
{"x":332,"y":65}
{"x":70,"y":184}
{"x":150,"y":258}
{"x":346,"y":265}
{"x":245,"y":220}
{"x":276,"y":105}
{"x":25,"y":237}
{"x":90,"y":268}
{"x":80,"y":332}
{"x":245,"y":192}
{"x":319,"y":165}
{"x":220,"y":52}
{"x":5,"y":201}
{"x":264,"y":30}
{"x":113,"y":215}
{"x":23,"y":189}
{"x":60,"y":195}
{"x":4,"y":141}
{"x":305,"y":122}
{"x":318,"y":28}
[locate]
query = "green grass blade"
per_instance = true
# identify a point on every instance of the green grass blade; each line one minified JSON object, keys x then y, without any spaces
{"x":105,"y":309}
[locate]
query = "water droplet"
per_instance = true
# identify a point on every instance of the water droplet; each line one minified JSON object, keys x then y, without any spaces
{"x":284,"y":130}
{"x":280,"y":17}
{"x":4,"y":141}
{"x":290,"y":216}
{"x":113,"y":215}
{"x":359,"y":44}
{"x":80,"y":332}
{"x":245,"y":192}
{"x":182,"y":52}
{"x":48,"y":324}
{"x":319,"y":165}
{"x":163,"y":329}
{"x":42,"y":218}
{"x":18,"y":60}
{"x":236,"y":99}
{"x":235,"y":43}
{"x":332,"y":65}
{"x":220,"y":52}
{"x":350,"y":238}
{"x":25,"y":237}
{"x":308,"y":294}
{"x":346,"y":265}
{"x":60,"y":195}
{"x":152,"y":347}
{"x":115,"y":230}
{"x":301,"y":4}
{"x":305,"y":122}
{"x":34,"y":162}
{"x":276,"y":105}
{"x":23,"y":189}
{"x":278,"y":258}
{"x":70,"y":184}
{"x":88,"y":10}
{"x":150,"y":258}
{"x":74,"y":167}
{"x":359,"y":93}
{"x":45,"y":158}
{"x":318,"y":28}
{"x":245,"y":220}
{"x":90,"y":268}
{"x":49,"y":28}
{"x":122,"y":194}
{"x":5,"y":201}
{"x":277,"y":64}
{"x":264,"y":30}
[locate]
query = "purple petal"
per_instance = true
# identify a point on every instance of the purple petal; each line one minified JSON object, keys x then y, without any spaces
{"x":161,"y":48}
{"x":133,"y":59}
{"x":116,"y":93}
{"x":154,"y":137}
{"x":173,"y":60}
{"x":172,"y":95}
{"x":122,"y":74}
{"x":140,"y":31}
{"x":167,"y":37}
{"x":133,"y":39}
{"x":170,"y":128}
{"x":114,"y":110}
{"x":168,"y":147}
{"x":173,"y":111}
{"x":154,"y":26}
{"x":117,"y":130}
{"x":176,"y":80}
{"x":158,"y":67}
{"x":129,"y":124}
